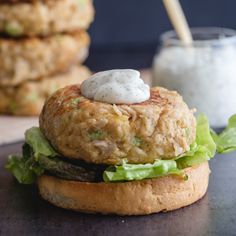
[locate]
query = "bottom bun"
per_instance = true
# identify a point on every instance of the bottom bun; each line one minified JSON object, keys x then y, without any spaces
{"x":128,"y":198}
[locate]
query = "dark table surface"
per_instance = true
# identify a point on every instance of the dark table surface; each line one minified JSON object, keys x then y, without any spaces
{"x":23,"y":212}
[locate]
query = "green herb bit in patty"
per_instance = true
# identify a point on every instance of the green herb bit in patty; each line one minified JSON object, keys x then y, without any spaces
{"x":13,"y":107}
{"x":96,"y":135}
{"x":81,"y":3}
{"x":74,"y":102}
{"x":13,"y":29}
{"x":137,"y":141}
{"x":33,"y":97}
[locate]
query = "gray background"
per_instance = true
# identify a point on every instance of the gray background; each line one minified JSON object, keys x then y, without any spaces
{"x":125,"y":32}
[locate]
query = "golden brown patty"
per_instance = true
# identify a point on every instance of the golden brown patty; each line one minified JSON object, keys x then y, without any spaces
{"x":31,"y":18}
{"x":162,"y":127}
{"x":32,"y":58}
{"x":28,"y":98}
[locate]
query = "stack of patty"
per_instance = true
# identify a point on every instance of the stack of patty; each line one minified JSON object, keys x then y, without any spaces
{"x":42,"y":46}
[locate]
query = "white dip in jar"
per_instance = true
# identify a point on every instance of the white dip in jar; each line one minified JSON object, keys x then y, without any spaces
{"x":204,"y":73}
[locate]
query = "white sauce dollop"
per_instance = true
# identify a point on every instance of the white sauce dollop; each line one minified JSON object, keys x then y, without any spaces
{"x":116,"y":87}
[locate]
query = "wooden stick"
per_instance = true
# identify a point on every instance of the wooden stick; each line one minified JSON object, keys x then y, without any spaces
{"x":178,"y":20}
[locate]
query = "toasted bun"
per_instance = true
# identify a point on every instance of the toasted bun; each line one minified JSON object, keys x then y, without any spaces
{"x":129,"y":198}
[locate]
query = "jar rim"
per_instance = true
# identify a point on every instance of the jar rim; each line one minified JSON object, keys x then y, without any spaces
{"x":202,"y":36}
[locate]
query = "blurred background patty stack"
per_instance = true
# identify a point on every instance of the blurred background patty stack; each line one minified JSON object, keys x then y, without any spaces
{"x":43,"y":44}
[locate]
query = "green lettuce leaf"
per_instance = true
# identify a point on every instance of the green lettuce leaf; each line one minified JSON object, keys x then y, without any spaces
{"x":226,"y":141}
{"x":203,"y":137}
{"x":38,"y":142}
{"x":204,"y":147}
{"x":24,"y":168}
{"x":19,"y":167}
{"x":38,"y":157}
{"x":128,"y":172}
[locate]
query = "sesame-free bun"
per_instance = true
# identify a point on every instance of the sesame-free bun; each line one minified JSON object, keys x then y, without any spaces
{"x":128,"y":198}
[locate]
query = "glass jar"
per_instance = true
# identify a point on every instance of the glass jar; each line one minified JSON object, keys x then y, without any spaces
{"x":203,"y":73}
